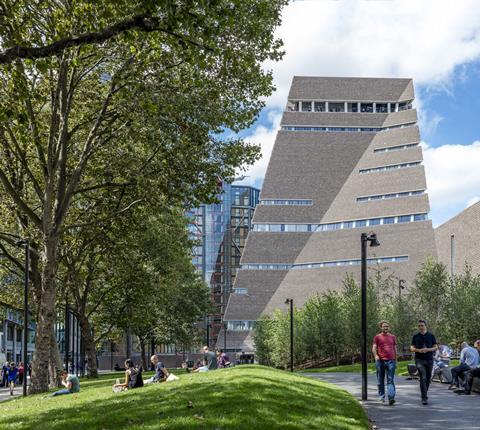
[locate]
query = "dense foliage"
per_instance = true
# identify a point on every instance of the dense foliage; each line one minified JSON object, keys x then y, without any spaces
{"x":110,"y":106}
{"x":328,"y":325}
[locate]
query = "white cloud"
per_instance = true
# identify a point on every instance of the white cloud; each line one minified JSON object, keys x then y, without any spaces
{"x":429,"y":41}
{"x":425,"y":40}
{"x":265,"y":137}
{"x":453,"y":178}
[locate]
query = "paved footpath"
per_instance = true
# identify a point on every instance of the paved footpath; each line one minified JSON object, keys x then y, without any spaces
{"x":5,"y":393}
{"x":446,"y":410}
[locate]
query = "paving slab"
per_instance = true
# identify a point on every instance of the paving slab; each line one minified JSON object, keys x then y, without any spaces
{"x":446,"y":410}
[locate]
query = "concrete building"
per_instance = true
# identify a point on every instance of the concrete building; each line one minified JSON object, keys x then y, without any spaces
{"x":11,"y":335}
{"x":221,"y":230}
{"x":458,"y":241}
{"x":346,"y":160}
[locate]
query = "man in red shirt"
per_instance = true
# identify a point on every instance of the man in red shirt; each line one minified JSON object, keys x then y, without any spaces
{"x":385,"y":351}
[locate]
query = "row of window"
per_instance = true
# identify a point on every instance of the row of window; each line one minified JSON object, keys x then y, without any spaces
{"x":240,"y":291}
{"x":390,"y":167}
{"x":390,"y":196}
{"x":240,"y":325}
{"x":353,"y":107}
{"x":287,"y":202}
{"x":344,"y":225}
{"x":355,"y":262}
{"x":396,"y":147}
{"x":349,"y":129}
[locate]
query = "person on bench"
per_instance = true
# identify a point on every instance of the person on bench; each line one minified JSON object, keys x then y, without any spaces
{"x":472,"y":373}
{"x":468,"y":360}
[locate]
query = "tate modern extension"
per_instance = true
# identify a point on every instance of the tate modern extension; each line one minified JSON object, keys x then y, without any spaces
{"x":347,"y":159}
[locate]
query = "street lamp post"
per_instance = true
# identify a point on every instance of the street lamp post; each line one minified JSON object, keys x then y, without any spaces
{"x":26,"y":244}
{"x":401,"y":286}
{"x":225,"y":337}
{"x":290,"y":301}
{"x":365,"y":238}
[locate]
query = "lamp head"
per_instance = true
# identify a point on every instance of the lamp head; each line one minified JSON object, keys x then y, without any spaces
{"x":401,"y":284}
{"x":372,"y":237}
{"x":287,"y":301}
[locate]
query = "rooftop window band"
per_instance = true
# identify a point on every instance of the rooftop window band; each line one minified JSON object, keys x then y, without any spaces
{"x":347,"y":129}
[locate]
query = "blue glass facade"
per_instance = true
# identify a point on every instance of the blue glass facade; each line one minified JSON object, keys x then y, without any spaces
{"x":221,"y":230}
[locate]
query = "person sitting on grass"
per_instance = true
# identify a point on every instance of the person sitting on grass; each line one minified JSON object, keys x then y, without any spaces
{"x":133,"y":377}
{"x":203,"y":368}
{"x":70,"y":382}
{"x":12,"y":374}
{"x":222,"y":359}
{"x":161,"y":372}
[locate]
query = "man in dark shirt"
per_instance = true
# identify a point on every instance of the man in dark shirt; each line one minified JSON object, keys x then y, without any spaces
{"x":424,"y":345}
{"x":161,"y":372}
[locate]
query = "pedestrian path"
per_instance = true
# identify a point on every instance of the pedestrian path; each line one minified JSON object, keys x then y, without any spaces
{"x":446,"y":410}
{"x":5,"y":393}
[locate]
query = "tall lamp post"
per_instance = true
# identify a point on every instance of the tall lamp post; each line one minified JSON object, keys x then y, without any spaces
{"x":225,"y":337}
{"x":26,"y":244}
{"x":401,"y":286}
{"x":365,"y":238}
{"x":290,"y":301}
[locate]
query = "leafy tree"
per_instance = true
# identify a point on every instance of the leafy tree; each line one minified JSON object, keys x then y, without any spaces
{"x":156,"y":94}
{"x":428,"y":294}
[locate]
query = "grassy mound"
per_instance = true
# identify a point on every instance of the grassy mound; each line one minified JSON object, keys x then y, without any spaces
{"x":244,"y":397}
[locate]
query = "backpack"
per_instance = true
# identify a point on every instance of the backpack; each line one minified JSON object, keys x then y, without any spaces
{"x":136,"y":379}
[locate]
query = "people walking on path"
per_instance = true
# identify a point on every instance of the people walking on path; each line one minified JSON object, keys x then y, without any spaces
{"x":4,"y":374}
{"x":468,"y":360}
{"x":70,"y":382}
{"x":12,"y":374}
{"x":424,"y":345}
{"x":21,"y":373}
{"x":472,"y":373}
{"x":384,"y":349}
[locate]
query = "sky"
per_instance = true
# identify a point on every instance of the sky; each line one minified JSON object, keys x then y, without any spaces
{"x":434,"y":42}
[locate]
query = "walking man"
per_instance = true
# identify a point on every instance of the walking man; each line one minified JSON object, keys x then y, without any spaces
{"x":384,"y":349}
{"x":424,"y":345}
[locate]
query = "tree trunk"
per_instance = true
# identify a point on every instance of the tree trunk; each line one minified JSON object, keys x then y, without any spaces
{"x":45,"y":322}
{"x":55,"y":364}
{"x":89,"y":344}
{"x":129,"y":342}
{"x":43,"y":338}
{"x":143,"y":352}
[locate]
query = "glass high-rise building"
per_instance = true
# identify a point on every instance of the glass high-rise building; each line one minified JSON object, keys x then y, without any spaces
{"x":221,"y":230}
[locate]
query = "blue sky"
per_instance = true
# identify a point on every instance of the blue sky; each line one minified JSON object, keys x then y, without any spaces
{"x":434,"y":42}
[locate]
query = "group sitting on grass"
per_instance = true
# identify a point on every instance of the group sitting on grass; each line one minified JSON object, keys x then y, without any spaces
{"x":211,"y":361}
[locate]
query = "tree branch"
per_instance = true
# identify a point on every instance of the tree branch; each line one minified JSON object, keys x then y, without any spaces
{"x":143,"y":22}
{"x":19,"y":201}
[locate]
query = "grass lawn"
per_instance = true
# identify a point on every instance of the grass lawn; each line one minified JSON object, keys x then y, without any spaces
{"x":243,"y":397}
{"x":357,"y":368}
